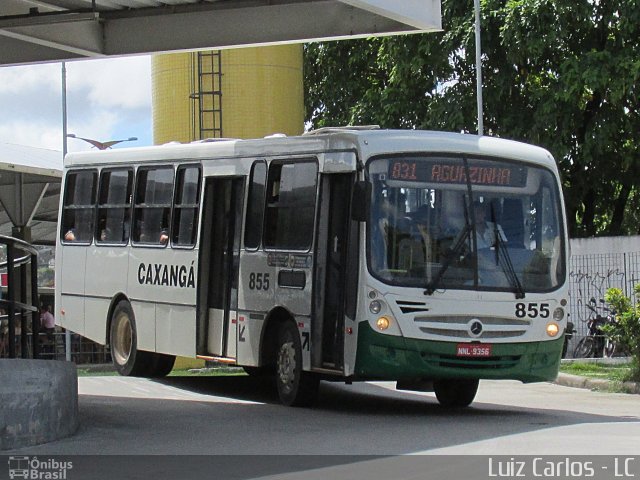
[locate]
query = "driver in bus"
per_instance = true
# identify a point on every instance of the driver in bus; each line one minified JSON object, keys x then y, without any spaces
{"x":486,"y":230}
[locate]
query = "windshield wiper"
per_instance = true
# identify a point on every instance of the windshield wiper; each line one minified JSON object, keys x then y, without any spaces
{"x":452,"y":253}
{"x":502,"y":253}
{"x":469,"y":227}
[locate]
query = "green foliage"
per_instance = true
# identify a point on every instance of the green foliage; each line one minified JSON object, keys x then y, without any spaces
{"x":563,"y":74}
{"x":626,"y":330}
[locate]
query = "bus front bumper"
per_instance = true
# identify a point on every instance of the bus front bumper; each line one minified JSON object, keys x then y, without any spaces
{"x":386,"y":357}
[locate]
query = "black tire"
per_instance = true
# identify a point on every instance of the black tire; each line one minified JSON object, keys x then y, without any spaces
{"x":565,"y":344}
{"x":256,"y":371}
{"x":296,"y":388}
{"x":456,"y":392}
{"x":160,"y":365}
{"x":585,"y":348}
{"x":123,"y":341}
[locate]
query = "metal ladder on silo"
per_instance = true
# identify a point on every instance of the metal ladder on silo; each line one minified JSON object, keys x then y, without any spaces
{"x":207,"y":95}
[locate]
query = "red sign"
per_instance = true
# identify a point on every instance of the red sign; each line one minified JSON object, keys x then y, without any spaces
{"x":473,"y":350}
{"x":4,"y":279}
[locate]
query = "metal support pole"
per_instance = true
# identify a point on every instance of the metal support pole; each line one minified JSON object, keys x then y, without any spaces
{"x":479,"y":69}
{"x":67,"y":334}
{"x":11,"y":297}
{"x":24,"y":340}
{"x":35,"y":301}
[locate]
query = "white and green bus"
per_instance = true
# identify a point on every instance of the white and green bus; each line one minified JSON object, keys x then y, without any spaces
{"x":426,"y":258}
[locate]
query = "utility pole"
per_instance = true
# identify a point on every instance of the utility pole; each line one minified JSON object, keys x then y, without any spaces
{"x":479,"y":69}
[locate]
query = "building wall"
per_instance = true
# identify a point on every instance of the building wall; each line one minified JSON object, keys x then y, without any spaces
{"x":171,"y":105}
{"x":596,"y":265}
{"x":262,"y":93}
{"x":602,"y":245}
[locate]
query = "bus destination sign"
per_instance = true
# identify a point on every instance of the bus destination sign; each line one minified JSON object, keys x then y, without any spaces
{"x":491,"y":174}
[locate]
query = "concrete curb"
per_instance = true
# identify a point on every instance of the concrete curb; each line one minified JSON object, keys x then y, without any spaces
{"x":576,"y":381}
{"x":38,"y":401}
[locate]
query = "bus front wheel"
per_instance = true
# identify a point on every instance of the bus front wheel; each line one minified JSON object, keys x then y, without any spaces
{"x":456,"y":392}
{"x":295,"y":387}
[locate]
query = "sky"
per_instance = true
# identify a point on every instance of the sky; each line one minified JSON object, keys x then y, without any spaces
{"x":107,"y":99}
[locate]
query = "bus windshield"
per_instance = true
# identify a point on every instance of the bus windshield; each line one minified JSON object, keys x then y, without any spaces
{"x":464,"y":223}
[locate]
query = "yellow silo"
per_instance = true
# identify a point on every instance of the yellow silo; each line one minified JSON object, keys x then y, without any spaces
{"x":239,"y":93}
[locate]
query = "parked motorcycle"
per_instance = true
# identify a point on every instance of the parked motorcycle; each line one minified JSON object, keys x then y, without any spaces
{"x":596,"y":344}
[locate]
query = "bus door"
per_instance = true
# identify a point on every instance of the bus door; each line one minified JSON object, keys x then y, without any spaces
{"x":331,"y":272}
{"x":219,"y":264}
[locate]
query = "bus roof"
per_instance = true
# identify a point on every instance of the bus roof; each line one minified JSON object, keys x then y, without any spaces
{"x":367,"y":141}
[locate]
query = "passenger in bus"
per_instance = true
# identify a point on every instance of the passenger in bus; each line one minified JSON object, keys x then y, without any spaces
{"x":485,"y":229}
{"x":164,"y":237}
{"x":70,"y":236}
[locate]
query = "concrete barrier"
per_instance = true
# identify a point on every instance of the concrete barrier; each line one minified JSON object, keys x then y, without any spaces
{"x":38,"y":401}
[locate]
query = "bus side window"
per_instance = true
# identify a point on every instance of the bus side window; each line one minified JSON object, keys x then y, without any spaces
{"x":291,"y":200}
{"x":78,"y":213}
{"x":114,"y":206}
{"x":185,"y":213}
{"x":152,"y":210}
{"x":255,"y":206}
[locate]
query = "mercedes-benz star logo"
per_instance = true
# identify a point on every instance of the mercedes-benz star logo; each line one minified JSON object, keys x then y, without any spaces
{"x":475,"y":328}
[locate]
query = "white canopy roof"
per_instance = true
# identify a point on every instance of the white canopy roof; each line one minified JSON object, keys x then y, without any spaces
{"x":29,"y":190}
{"x":33,"y":31}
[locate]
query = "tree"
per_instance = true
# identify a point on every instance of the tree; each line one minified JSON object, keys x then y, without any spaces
{"x":562,"y":74}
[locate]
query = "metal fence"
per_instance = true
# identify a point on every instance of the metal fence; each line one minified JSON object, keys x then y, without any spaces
{"x":590,"y":276}
{"x":19,"y":310}
{"x":51,"y":346}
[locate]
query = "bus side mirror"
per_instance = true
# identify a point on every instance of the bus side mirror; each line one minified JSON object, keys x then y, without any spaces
{"x":360,"y":201}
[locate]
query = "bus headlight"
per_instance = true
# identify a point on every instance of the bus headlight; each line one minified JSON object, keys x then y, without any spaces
{"x":375,"y":307}
{"x":552,"y":329}
{"x":383,"y":323}
{"x":558,"y":314}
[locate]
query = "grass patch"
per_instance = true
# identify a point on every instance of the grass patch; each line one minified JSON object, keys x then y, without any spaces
{"x":88,"y":372}
{"x":614,"y":373}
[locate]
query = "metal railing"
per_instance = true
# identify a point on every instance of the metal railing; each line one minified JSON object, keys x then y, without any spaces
{"x":22,"y":296}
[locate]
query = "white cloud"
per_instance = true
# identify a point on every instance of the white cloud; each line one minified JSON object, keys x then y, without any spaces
{"x":121,"y":82}
{"x":104,"y":97}
{"x":14,"y":80}
{"x":33,"y":134}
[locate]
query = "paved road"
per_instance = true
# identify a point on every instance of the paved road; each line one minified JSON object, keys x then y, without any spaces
{"x":241,"y":415}
{"x":231,"y":415}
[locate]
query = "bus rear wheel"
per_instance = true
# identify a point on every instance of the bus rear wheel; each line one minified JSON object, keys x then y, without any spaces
{"x":123,"y":340}
{"x":456,"y":392}
{"x":296,"y":388}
